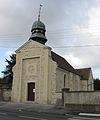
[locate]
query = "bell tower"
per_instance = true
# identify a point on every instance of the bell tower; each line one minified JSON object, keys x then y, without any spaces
{"x":38,"y":30}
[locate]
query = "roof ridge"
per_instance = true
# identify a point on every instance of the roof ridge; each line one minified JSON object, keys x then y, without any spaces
{"x":62,"y":63}
{"x":83,"y":68}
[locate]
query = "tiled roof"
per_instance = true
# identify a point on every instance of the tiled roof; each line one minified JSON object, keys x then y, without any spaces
{"x":84,"y":72}
{"x":62,"y":63}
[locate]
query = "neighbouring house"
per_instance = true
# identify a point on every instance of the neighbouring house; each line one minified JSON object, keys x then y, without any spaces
{"x":40,"y":74}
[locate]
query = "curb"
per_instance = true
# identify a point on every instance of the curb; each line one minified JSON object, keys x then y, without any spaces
{"x":89,"y":114}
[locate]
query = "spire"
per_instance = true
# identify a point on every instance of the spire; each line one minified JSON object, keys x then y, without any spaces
{"x":39,"y":12}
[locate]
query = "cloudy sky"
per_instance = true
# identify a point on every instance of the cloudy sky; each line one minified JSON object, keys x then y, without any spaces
{"x":73,"y":29}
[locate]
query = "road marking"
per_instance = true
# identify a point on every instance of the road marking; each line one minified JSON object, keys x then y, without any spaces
{"x":82,"y":118}
{"x":34,"y":118}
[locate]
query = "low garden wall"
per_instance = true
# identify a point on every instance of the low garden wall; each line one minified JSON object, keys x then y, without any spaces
{"x":82,"y":101}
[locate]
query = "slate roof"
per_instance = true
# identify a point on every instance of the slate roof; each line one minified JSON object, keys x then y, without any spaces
{"x":62,"y":63}
{"x":84,"y":72}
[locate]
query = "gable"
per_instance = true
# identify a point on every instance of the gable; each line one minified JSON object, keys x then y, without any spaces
{"x":84,"y":72}
{"x":29,"y":45}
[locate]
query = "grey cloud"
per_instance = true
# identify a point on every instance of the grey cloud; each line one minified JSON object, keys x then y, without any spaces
{"x":59,"y":16}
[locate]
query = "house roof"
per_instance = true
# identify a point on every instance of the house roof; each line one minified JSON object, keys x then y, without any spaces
{"x":84,"y":72}
{"x":62,"y":63}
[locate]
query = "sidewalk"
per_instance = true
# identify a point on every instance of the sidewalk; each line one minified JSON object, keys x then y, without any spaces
{"x":50,"y":109}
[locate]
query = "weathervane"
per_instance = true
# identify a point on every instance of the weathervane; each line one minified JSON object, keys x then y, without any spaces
{"x":39,"y":12}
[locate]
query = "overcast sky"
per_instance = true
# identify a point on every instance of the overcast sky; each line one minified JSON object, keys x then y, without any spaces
{"x":69,"y":23}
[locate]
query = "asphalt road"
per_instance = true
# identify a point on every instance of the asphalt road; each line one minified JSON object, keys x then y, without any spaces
{"x":20,"y":115}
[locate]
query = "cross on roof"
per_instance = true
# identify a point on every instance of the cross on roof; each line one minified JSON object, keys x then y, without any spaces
{"x":39,"y":12}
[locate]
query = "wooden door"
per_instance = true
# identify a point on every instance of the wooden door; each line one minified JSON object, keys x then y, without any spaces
{"x":31,"y":91}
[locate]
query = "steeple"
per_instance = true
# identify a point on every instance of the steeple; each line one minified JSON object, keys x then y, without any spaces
{"x":38,"y":30}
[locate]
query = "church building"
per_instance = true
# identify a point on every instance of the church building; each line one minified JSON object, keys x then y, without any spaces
{"x":40,"y":74}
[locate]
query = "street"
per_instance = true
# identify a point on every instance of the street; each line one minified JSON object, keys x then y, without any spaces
{"x":22,"y":115}
{"x":83,"y":118}
{"x":19,"y":115}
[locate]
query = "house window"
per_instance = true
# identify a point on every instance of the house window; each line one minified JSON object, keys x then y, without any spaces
{"x":64,"y":80}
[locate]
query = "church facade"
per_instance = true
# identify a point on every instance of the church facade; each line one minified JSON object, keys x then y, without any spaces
{"x":40,"y":74}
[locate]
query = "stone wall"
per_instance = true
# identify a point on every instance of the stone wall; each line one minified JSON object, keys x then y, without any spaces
{"x":82,"y":97}
{"x":90,"y":82}
{"x":34,"y":64}
{"x":6,"y":94}
{"x":72,"y":81}
{"x":82,"y":101}
{"x":87,"y":85}
{"x":31,"y":66}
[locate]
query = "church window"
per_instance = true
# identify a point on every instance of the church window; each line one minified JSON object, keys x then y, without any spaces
{"x":64,"y":80}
